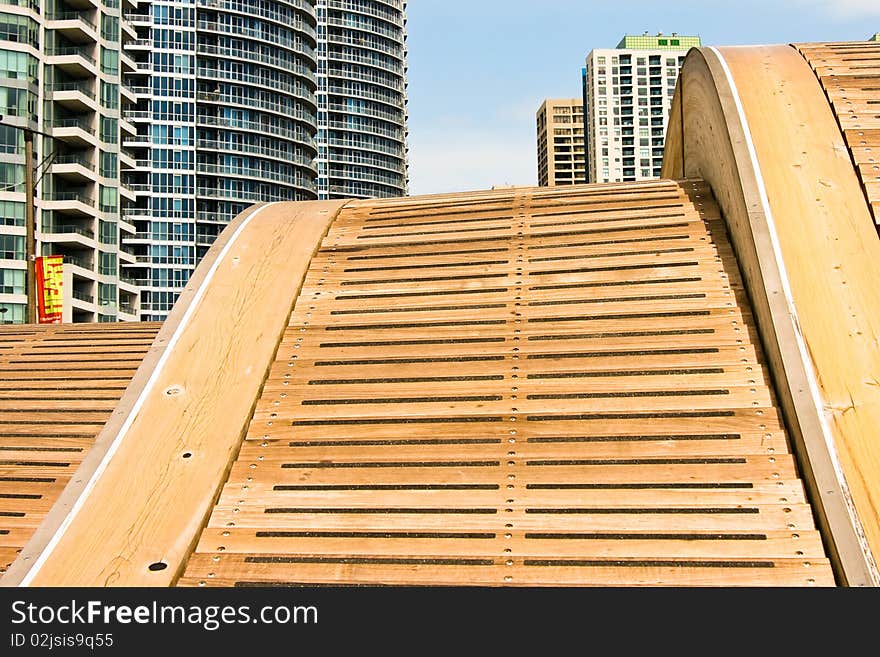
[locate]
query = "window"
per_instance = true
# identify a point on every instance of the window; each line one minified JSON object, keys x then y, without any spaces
{"x":11,"y":177}
{"x":109,"y":129}
{"x":109,"y":61}
{"x":110,"y":28}
{"x":107,"y":263}
{"x":12,"y":247}
{"x":12,"y":281}
{"x":107,"y":232}
{"x":11,"y":213}
{"x":108,"y":199}
{"x":109,"y":94}
{"x":18,"y":102}
{"x":106,"y":294}
{"x":20,"y":29}
{"x":11,"y":313}
{"x":109,"y":167}
{"x":11,"y":139}
{"x":18,"y":65}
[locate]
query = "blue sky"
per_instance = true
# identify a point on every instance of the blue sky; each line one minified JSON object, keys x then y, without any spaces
{"x":478,"y":70}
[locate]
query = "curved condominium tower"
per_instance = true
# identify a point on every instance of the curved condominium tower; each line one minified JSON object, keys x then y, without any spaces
{"x":226,"y":117}
{"x":361,"y":98}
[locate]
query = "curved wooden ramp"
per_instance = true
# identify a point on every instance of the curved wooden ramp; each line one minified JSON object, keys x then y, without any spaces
{"x":525,"y":388}
{"x":661,"y":383}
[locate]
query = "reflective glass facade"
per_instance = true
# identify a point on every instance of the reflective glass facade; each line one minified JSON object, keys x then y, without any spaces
{"x":226,"y":117}
{"x":362,"y":98}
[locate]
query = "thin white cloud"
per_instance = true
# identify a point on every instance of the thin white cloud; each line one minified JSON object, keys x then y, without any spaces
{"x":456,"y":161}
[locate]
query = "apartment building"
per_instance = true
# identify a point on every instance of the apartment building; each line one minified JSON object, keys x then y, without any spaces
{"x":362,"y":150}
{"x":628,"y":92}
{"x":167,"y":118}
{"x":225,"y":117}
{"x":560,"y":132}
{"x":61,"y":67}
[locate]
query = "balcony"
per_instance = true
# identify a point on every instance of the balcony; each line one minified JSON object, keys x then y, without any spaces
{"x":83,"y":267}
{"x":138,"y":115}
{"x":85,"y":297}
{"x":126,"y":160}
{"x":138,"y":18}
{"x":126,"y":192}
{"x":127,"y":127}
{"x":140,"y":189}
{"x":75,"y":168}
{"x":126,"y":257}
{"x":74,"y":131}
{"x":126,"y":62}
{"x":76,"y":96}
{"x":125,"y":226}
{"x":127,"y":31}
{"x":140,"y":44}
{"x":75,"y":26}
{"x":75,"y":61}
{"x":137,"y":141}
{"x":131,"y":284}
{"x":73,"y":203}
{"x":69,"y":236}
{"x":130,"y":94}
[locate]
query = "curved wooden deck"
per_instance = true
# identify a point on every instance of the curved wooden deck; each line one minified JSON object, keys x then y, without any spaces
{"x":772,"y":151}
{"x":569,"y":386}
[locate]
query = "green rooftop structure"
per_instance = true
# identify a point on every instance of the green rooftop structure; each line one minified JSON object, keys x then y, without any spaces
{"x":876,"y":37}
{"x":659,"y":41}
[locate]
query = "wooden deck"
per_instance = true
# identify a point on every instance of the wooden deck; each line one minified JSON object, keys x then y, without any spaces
{"x":661,"y":383}
{"x":850,"y":75}
{"x":533,"y":387}
{"x":58,"y":386}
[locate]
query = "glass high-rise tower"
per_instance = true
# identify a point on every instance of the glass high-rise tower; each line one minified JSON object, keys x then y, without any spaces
{"x":226,"y":117}
{"x":247,"y":101}
{"x":362,"y":98}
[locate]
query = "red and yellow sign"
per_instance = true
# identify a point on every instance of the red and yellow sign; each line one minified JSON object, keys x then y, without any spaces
{"x":50,"y":276}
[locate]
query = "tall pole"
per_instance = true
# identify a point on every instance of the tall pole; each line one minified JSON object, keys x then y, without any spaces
{"x":30,"y":241}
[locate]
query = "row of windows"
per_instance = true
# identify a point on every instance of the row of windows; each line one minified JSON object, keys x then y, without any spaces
{"x":166,"y":110}
{"x":12,"y":247}
{"x":107,"y":264}
{"x":12,"y":281}
{"x":12,"y":313}
{"x":164,"y":62}
{"x":167,"y":230}
{"x":12,"y":213}
{"x":173,"y":183}
{"x":173,"y":39}
{"x":18,"y":102}
{"x":18,"y":65}
{"x":172,"y":207}
{"x":173,"y":87}
{"x":20,"y":29}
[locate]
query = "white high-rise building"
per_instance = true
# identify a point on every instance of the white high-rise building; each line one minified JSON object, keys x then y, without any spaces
{"x":61,"y":79}
{"x":628,"y":92}
{"x":247,"y":101}
{"x":361,"y":94}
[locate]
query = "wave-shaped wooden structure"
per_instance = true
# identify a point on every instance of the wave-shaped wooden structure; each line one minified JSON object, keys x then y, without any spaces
{"x":670,"y":382}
